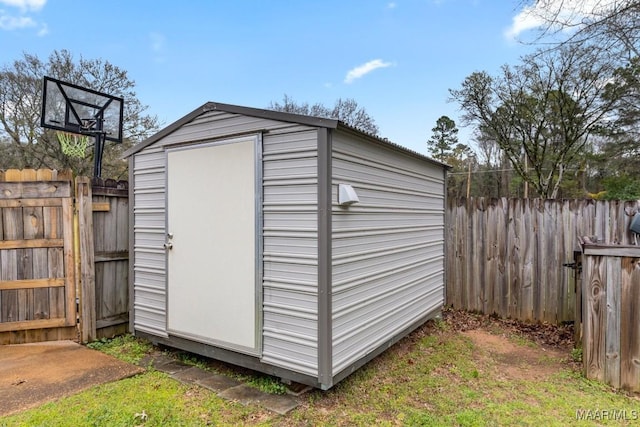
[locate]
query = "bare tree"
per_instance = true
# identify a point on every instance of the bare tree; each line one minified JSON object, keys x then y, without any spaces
{"x":347,"y":111}
{"x":610,"y":24}
{"x":25,"y":144}
{"x":541,"y":112}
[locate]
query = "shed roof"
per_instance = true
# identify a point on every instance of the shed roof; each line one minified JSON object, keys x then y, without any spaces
{"x":273,"y":115}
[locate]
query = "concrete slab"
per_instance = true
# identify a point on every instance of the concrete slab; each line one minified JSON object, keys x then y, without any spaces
{"x":32,"y":374}
{"x":154,"y":360}
{"x":243,"y":394}
{"x":172,"y":367}
{"x":191,"y":375}
{"x":278,"y":403}
{"x":218,"y":383}
{"x":246,"y":395}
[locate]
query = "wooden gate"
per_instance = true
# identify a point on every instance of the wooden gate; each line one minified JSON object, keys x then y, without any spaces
{"x":37,"y":276}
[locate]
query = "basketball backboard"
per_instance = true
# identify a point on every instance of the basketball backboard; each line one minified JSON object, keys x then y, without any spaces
{"x":70,"y":108}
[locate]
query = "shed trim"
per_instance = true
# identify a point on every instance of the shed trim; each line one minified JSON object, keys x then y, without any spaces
{"x":259,"y":242}
{"x":445,"y":231}
{"x":132,"y":237}
{"x":248,"y":111}
{"x":325,"y":338}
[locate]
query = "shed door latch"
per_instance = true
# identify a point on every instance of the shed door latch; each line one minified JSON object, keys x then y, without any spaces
{"x":168,"y":245}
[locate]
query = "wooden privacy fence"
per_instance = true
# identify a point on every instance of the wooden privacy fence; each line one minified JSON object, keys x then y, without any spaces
{"x":37,"y":271}
{"x":63,"y":262}
{"x":507,"y":256}
{"x":611,"y":314}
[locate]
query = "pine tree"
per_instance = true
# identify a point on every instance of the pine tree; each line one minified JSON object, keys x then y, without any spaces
{"x":444,"y":141}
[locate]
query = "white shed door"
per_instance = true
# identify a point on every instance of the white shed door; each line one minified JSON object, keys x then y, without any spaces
{"x":211,"y":226}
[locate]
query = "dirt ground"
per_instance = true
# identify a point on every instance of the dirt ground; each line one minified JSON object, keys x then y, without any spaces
{"x":32,"y":374}
{"x":514,"y":361}
{"x":494,"y":340}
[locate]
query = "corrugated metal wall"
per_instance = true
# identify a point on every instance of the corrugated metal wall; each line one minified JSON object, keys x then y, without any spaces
{"x":290,"y":233}
{"x":387,"y":250}
{"x":149,"y":299}
{"x":291,"y":251}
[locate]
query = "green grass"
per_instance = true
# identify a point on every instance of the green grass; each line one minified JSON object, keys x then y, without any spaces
{"x":435,"y":377}
{"x":125,"y":347}
{"x":151,"y":399}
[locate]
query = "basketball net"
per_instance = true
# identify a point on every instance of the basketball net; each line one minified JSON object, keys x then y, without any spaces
{"x":73,"y":145}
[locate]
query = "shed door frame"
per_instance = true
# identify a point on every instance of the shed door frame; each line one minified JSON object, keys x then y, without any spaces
{"x":256,"y":348}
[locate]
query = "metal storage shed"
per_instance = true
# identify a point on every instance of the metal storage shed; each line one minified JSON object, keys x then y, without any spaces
{"x":246,"y":247}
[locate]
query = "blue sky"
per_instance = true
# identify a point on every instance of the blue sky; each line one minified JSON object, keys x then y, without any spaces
{"x":397,"y":59}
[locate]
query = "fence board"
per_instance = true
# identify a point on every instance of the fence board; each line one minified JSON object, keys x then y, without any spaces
{"x":513,"y":259}
{"x":87,"y":265}
{"x":122,"y":246}
{"x":538,"y":289}
{"x":529,"y":278}
{"x":612,"y":331}
{"x":629,"y":321}
{"x":34,"y":243}
{"x":8,"y":299}
{"x":56,"y":271}
{"x":594,"y":320}
{"x":26,"y":190}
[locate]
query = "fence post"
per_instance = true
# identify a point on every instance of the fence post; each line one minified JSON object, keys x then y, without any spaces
{"x":87,"y":267}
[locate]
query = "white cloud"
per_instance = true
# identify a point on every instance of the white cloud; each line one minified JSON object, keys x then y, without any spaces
{"x":361,"y":70}
{"x":525,"y":20}
{"x":569,"y":12}
{"x":8,"y":22}
{"x":392,"y":5}
{"x":25,"y":4}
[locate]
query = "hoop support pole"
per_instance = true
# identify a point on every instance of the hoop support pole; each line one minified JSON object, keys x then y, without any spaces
{"x":98,"y":150}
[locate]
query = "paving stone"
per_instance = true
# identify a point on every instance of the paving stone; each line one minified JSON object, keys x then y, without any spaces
{"x":217,"y":383}
{"x":278,"y":403}
{"x":243,"y":394}
{"x":172,"y":367}
{"x":248,"y":395}
{"x":155,"y":360}
{"x":191,"y":375}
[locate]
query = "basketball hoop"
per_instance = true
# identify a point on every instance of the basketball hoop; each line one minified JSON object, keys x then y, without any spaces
{"x":73,"y":145}
{"x":78,"y":113}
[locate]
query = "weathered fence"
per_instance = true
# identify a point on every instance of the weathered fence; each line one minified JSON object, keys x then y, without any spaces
{"x":507,"y":256}
{"x":37,"y":272}
{"x":611,"y":314}
{"x":110,"y":207}
{"x":62,"y":276}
